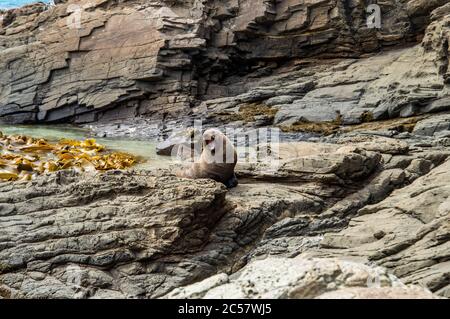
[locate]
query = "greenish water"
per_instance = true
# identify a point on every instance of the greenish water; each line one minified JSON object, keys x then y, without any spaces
{"x":144,"y":149}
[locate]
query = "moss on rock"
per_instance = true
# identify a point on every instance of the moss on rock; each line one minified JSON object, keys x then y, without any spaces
{"x":247,"y":113}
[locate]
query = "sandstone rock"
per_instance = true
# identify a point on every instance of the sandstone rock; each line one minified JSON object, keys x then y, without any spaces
{"x":414,"y":242}
{"x":183,"y":140}
{"x":82,"y":61}
{"x":141,"y":234}
{"x":372,"y":196}
{"x":433,"y":125}
{"x":283,"y":99}
{"x":65,"y":236}
{"x":399,"y":82}
{"x":411,"y":292}
{"x":312,"y":162}
{"x":301,"y":278}
{"x":373,"y":143}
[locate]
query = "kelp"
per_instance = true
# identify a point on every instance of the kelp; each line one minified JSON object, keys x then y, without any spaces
{"x":24,"y":157}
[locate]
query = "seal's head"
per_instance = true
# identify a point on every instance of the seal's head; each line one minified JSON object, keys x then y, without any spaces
{"x":212,"y":140}
{"x":217,"y":160}
{"x":217,"y":148}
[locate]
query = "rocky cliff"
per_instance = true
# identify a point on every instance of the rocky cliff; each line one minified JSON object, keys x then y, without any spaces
{"x":364,"y":217}
{"x":90,"y":60}
{"x":359,"y":211}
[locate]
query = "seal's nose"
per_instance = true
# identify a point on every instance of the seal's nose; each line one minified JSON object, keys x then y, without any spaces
{"x":209,"y":141}
{"x":208,"y":138}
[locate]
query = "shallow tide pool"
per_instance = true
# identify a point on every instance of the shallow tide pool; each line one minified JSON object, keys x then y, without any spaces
{"x":143,"y":149}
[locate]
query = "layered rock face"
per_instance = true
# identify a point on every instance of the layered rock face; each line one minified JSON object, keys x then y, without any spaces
{"x":70,"y":61}
{"x":302,"y":278}
{"x":360,"y":213}
{"x":85,"y":61}
{"x":148,"y":234}
{"x":127,"y":220}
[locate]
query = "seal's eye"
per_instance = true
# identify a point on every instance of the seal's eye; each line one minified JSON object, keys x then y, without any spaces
{"x":209,"y":142}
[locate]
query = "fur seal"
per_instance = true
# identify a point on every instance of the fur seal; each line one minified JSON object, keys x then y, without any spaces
{"x":217,"y":160}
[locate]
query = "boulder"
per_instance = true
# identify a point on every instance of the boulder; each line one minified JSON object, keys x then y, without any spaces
{"x":310,"y":162}
{"x":180,"y":141}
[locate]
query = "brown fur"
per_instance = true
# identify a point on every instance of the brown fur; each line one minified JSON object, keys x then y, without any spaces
{"x":211,"y":164}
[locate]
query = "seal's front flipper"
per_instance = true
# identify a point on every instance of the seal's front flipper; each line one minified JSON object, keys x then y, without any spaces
{"x":232,"y":182}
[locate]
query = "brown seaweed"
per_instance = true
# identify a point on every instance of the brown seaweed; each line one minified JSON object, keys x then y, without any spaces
{"x":23,"y":157}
